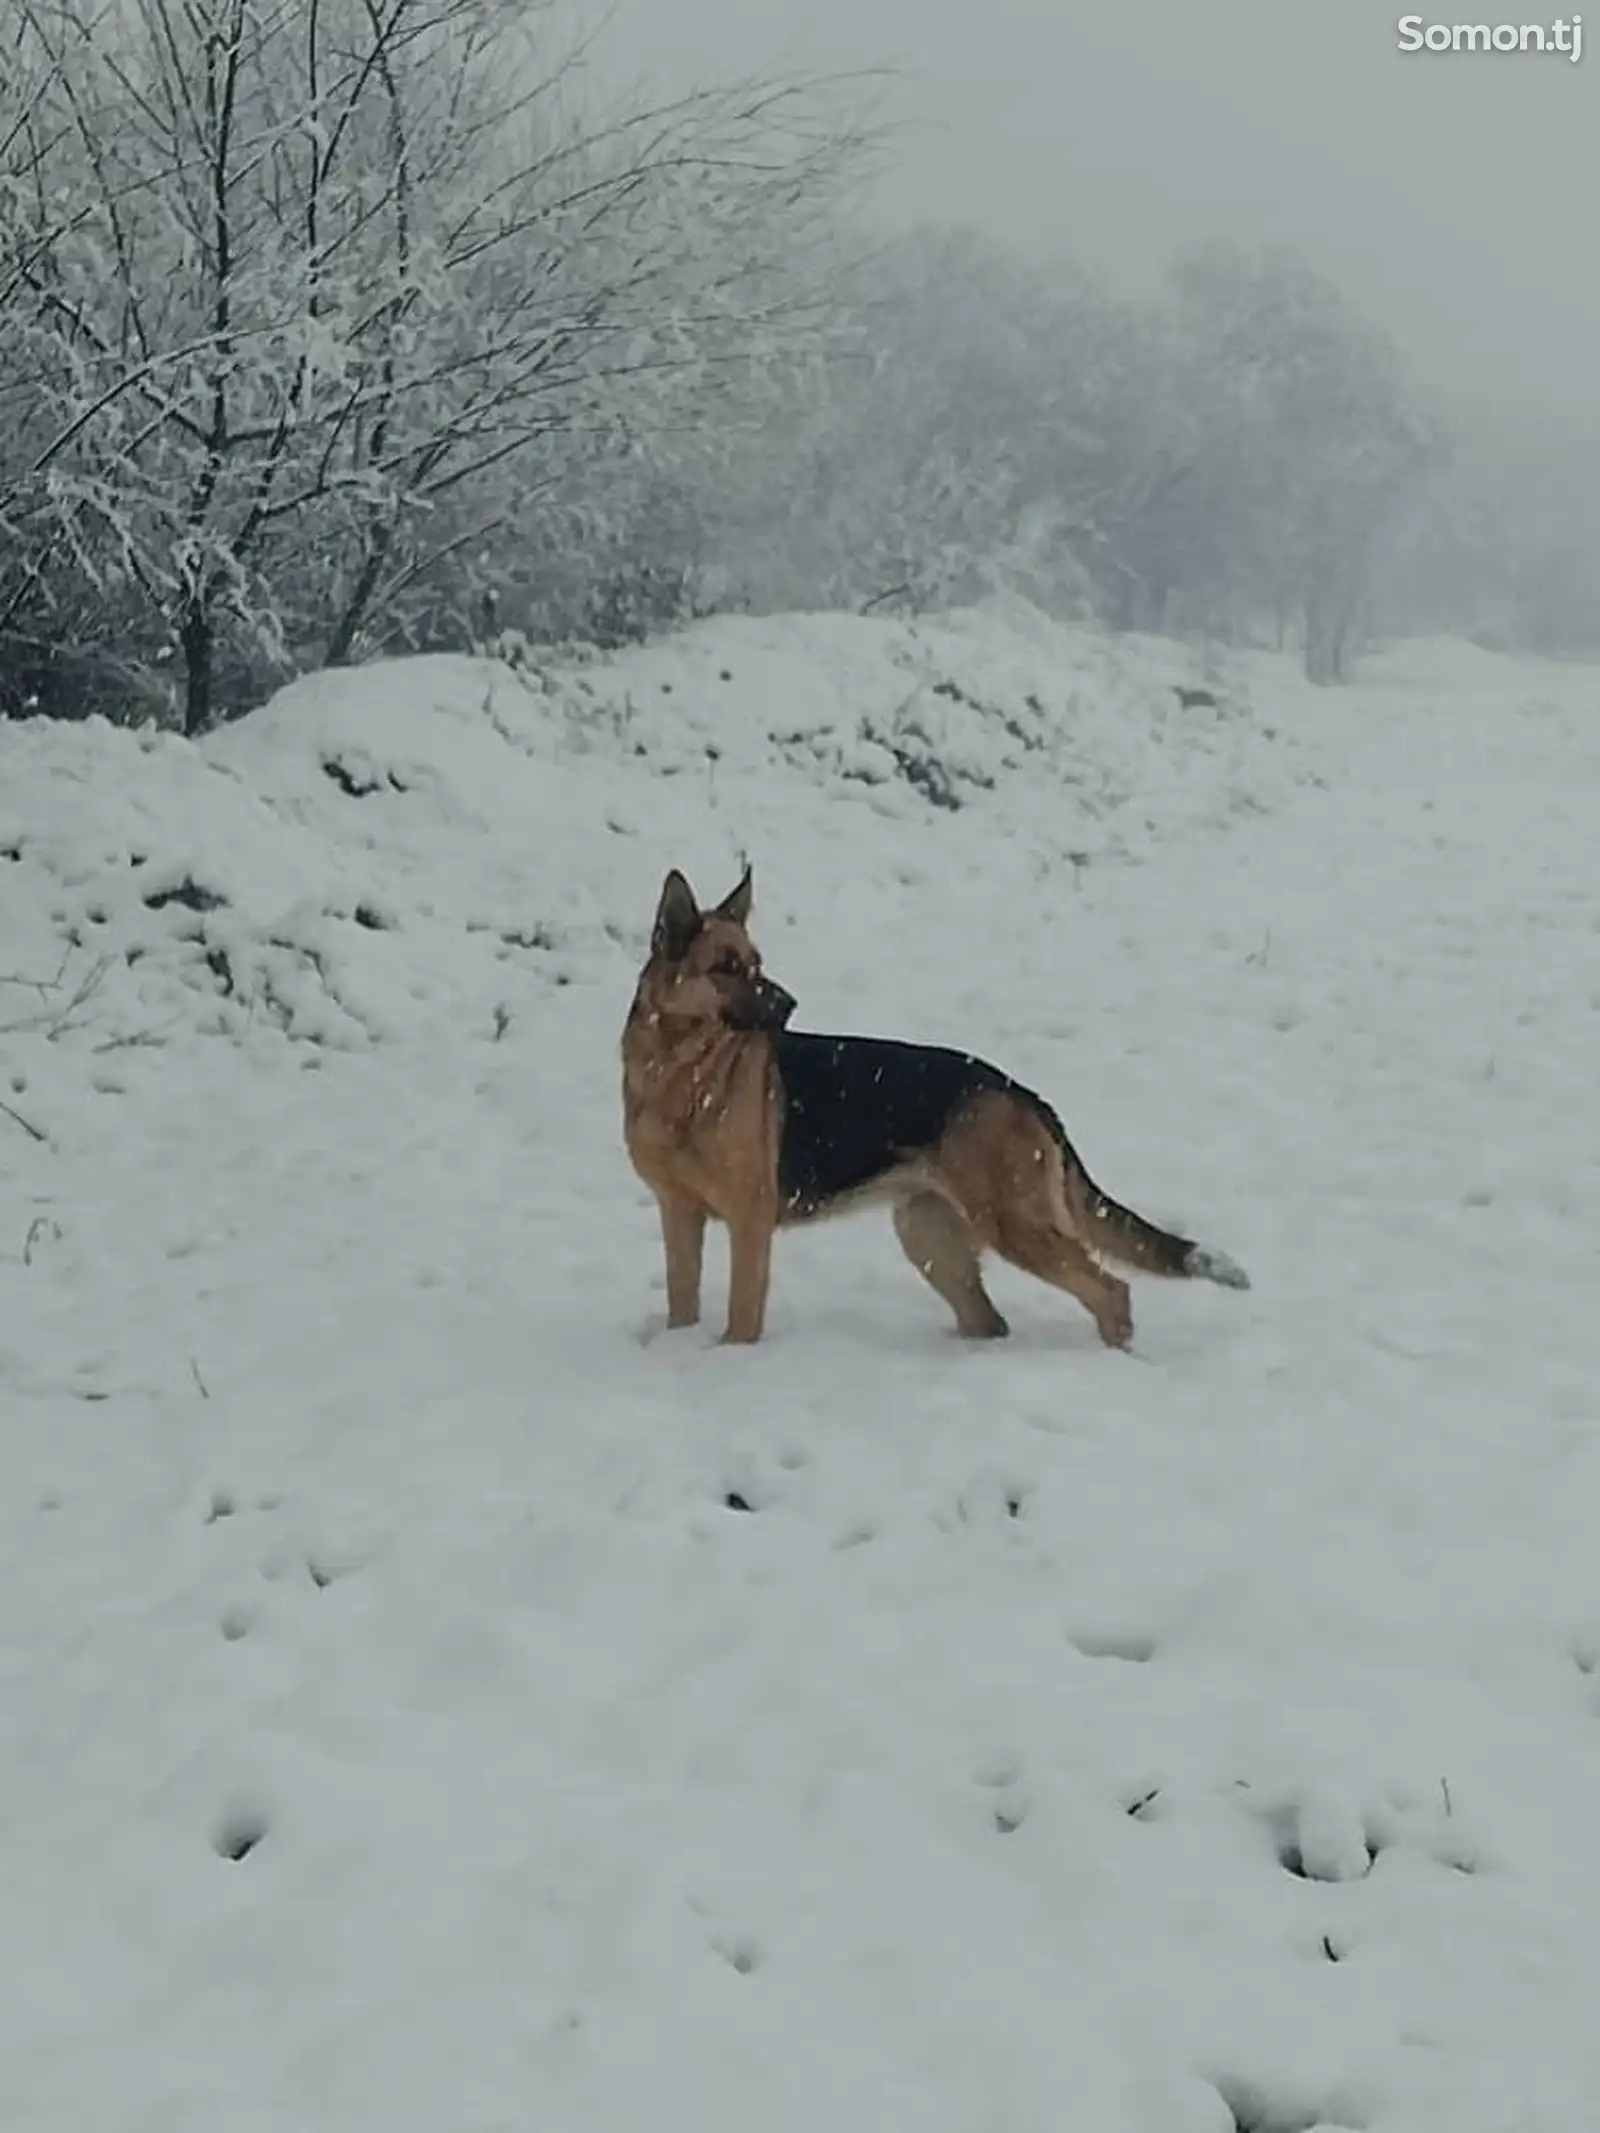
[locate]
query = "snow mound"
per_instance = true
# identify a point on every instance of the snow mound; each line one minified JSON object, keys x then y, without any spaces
{"x":377,"y":851}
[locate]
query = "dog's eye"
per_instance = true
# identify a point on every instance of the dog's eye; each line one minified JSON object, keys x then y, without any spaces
{"x":728,"y":966}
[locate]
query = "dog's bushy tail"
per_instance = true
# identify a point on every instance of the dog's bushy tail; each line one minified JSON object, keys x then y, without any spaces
{"x":1118,"y":1233}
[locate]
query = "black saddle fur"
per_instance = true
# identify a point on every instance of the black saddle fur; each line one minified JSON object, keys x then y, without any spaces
{"x":853,"y":1107}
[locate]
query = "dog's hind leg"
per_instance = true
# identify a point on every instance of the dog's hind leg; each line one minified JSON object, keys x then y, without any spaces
{"x":683,"y":1235}
{"x":940,"y":1243}
{"x":1042,"y":1249}
{"x":1004,"y":1165}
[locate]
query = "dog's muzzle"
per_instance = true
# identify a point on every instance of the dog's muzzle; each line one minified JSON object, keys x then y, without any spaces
{"x":765,"y":1006}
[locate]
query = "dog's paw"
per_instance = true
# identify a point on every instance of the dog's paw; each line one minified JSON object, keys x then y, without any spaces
{"x":657,"y":1326}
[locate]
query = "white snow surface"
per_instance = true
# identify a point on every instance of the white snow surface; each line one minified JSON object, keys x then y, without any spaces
{"x":867,"y":1730}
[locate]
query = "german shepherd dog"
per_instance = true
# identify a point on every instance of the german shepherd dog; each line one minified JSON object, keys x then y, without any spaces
{"x":729,"y":1114}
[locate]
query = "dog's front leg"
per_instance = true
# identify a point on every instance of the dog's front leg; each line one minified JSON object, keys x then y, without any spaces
{"x":683,"y":1233}
{"x":749,"y":1269}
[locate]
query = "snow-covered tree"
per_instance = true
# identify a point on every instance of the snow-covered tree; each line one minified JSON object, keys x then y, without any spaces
{"x":1306,"y":434}
{"x":312,"y":296}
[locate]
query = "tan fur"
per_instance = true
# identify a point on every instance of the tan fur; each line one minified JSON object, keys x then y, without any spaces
{"x":702,"y":1113}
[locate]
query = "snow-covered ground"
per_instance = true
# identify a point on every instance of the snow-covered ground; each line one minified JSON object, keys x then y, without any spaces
{"x":429,"y":1706}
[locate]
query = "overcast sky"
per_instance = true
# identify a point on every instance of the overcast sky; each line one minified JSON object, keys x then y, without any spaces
{"x":1456,"y":199}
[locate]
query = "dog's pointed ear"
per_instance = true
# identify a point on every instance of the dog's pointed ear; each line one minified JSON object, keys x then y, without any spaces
{"x":677,"y":918}
{"x":738,"y":901}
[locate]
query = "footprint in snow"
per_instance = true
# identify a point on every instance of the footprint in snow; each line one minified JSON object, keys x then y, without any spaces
{"x":240,"y":1831}
{"x":738,"y":1951}
{"x":1324,"y":1838}
{"x":1280,"y":2106}
{"x":855,"y":1535}
{"x":992,"y":1499}
{"x":236,"y":1622}
{"x":1133,"y":1647}
{"x":1002,"y":1777}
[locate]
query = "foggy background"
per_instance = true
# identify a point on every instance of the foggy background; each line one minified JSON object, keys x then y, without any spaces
{"x":408,"y":324}
{"x":1453,"y":197}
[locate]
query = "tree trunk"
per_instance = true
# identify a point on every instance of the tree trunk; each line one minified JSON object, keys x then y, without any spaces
{"x":1316,"y":645}
{"x":342,"y":642}
{"x":198,"y":639}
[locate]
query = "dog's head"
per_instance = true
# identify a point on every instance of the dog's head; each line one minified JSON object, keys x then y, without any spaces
{"x":703,"y":965}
